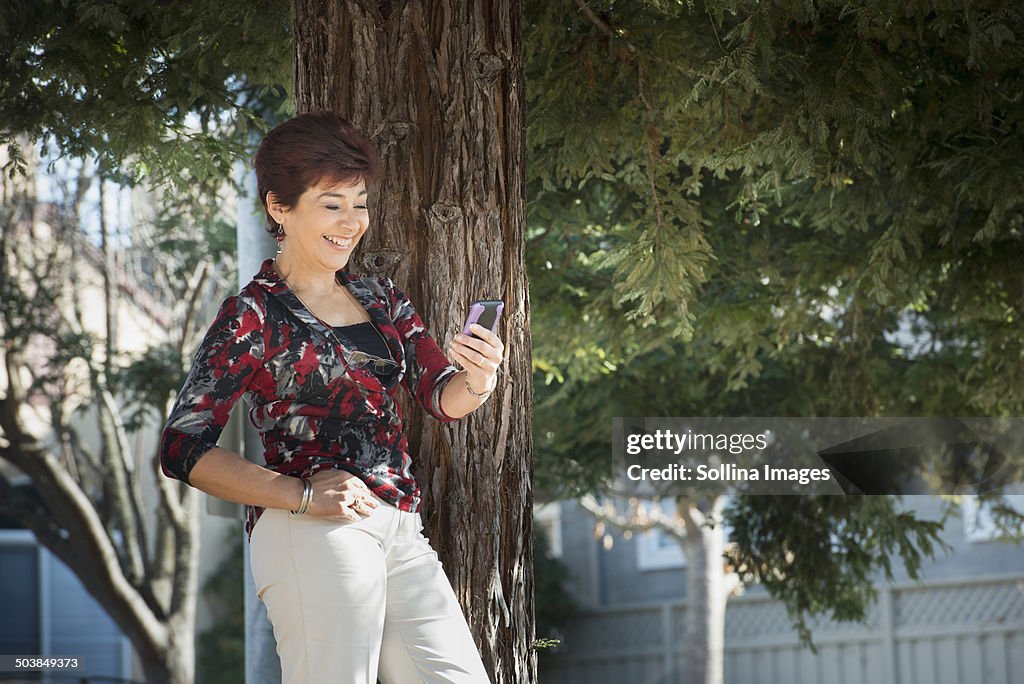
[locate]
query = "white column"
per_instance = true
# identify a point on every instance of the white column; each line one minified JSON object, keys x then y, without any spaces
{"x":262,"y":665}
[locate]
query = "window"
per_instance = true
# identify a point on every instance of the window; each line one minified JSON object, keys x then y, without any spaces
{"x":45,"y":610}
{"x":979,"y":523}
{"x":20,"y":619}
{"x":548,"y":519}
{"x":656,"y":550}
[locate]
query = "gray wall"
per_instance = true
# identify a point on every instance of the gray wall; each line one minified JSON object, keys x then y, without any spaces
{"x":610,"y":578}
{"x":963,"y":625}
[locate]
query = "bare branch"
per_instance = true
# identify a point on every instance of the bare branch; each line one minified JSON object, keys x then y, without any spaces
{"x":83,"y":455}
{"x":601,"y":25}
{"x":194,"y":288}
{"x":127,"y":505}
{"x":186,"y":544}
{"x":638,"y":522}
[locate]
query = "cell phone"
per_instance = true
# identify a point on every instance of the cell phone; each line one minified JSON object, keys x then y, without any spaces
{"x":485,"y":312}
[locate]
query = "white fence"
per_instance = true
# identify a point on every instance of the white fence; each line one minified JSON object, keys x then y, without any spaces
{"x":952,"y":632}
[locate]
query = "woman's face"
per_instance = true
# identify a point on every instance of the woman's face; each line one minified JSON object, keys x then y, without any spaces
{"x":324,"y":226}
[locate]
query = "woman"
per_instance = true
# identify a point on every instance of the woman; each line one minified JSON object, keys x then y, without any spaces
{"x":352,"y":587}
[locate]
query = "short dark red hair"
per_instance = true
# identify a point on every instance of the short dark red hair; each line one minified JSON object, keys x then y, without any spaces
{"x":308,"y":150}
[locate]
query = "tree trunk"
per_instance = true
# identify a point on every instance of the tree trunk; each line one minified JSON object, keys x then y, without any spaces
{"x":706,"y":596}
{"x":439,"y":87}
{"x":175,"y":662}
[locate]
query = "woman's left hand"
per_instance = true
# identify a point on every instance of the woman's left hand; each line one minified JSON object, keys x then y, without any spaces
{"x":480,"y":356}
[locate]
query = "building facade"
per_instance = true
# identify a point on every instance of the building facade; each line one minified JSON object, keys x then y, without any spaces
{"x":963,"y":624}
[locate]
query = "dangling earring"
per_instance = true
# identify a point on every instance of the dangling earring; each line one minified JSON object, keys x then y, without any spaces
{"x":279,"y":237}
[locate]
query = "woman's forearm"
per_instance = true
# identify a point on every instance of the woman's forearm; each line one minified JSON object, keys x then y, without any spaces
{"x":226,"y":475}
{"x":480,"y":353}
{"x":456,"y":401}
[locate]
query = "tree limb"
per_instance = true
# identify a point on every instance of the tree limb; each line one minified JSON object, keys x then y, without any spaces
{"x":601,"y":25}
{"x":86,"y":545}
{"x":129,"y":505}
{"x":637,"y":523}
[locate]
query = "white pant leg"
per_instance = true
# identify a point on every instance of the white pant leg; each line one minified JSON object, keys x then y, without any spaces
{"x":426,"y":637}
{"x":324,"y":583}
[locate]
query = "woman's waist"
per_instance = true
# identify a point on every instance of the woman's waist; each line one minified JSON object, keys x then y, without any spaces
{"x":381,"y":459}
{"x":342,"y":410}
{"x":314,"y":434}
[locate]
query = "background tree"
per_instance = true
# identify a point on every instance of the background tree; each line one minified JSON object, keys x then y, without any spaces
{"x":153,"y":95}
{"x":136,"y":557}
{"x":844,"y":169}
{"x":749,"y":208}
{"x":439,"y":87}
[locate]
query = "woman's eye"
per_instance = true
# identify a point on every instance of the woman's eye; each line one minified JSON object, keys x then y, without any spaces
{"x":332,"y":207}
{"x":360,"y":206}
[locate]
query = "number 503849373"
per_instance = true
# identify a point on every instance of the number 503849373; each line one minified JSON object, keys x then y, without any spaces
{"x":10,"y":663}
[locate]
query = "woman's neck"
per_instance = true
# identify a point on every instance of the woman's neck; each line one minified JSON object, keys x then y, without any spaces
{"x":307,"y":281}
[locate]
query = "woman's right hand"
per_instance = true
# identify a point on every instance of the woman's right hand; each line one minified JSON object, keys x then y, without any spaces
{"x":340,"y":494}
{"x":336,"y":493}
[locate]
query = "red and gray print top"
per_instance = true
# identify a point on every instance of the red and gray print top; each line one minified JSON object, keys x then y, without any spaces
{"x":314,"y":410}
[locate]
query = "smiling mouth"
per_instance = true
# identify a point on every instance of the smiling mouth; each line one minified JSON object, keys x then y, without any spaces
{"x":345,"y":243}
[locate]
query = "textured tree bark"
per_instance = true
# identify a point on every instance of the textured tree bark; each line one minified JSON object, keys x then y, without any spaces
{"x":439,"y":87}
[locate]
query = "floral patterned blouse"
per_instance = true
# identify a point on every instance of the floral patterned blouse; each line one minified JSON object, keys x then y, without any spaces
{"x":313,"y":406}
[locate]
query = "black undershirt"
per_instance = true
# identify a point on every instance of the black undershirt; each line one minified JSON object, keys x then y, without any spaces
{"x":366,"y":339}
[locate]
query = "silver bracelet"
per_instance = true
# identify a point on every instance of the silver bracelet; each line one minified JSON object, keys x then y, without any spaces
{"x":307,"y":497}
{"x":477,"y":394}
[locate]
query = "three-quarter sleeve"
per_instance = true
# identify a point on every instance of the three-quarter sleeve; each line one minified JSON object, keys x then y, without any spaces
{"x":223,"y":366}
{"x":428,"y":370}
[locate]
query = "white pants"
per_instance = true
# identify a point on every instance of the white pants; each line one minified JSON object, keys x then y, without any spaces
{"x":354,"y":601}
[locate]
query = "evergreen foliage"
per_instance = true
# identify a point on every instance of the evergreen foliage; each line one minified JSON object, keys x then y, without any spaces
{"x":820,"y":554}
{"x":160,"y":90}
{"x":790,"y":208}
{"x":840,"y":182}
